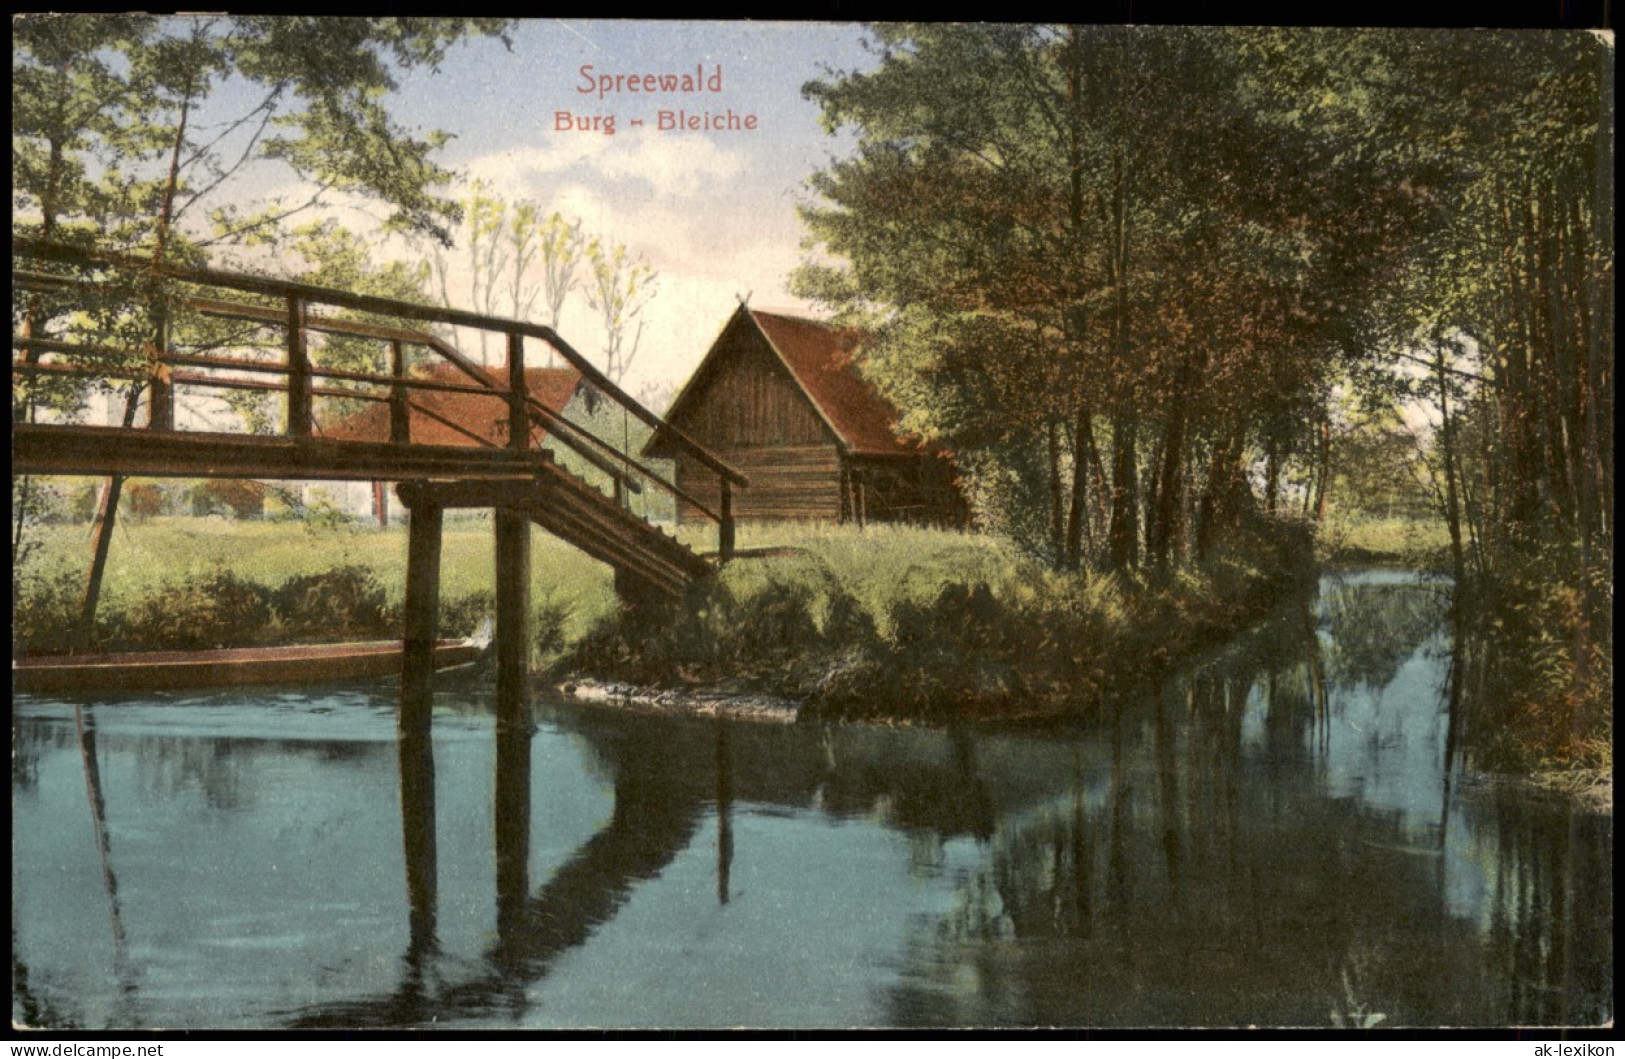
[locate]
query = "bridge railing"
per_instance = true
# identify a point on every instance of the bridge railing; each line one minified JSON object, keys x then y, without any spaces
{"x":135,"y":292}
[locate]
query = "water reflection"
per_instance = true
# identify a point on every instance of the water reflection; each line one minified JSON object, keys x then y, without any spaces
{"x":1227,"y":887}
{"x":1269,"y":839}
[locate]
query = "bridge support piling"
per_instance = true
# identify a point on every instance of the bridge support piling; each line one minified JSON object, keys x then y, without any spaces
{"x":414,"y":723}
{"x":725,"y":831}
{"x":513,"y":725}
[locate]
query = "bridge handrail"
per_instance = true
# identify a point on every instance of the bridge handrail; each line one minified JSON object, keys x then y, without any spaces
{"x":267,"y":315}
{"x":67,"y":254}
{"x":298,"y":293}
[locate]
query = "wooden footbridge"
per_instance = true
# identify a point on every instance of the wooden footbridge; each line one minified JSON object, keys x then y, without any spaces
{"x":183,"y":353}
{"x":152,"y":330}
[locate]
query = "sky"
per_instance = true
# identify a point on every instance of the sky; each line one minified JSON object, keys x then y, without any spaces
{"x":714,"y":212}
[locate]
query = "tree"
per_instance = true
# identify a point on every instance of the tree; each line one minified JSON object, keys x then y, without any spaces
{"x":318,"y":109}
{"x":561,"y":247}
{"x":513,"y":255}
{"x":477,"y":281}
{"x":619,"y":288}
{"x":1107,"y":263}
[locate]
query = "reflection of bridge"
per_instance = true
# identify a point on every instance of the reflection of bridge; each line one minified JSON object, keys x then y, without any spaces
{"x":669,"y":778}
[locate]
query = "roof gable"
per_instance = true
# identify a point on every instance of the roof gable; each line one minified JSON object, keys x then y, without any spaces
{"x":819,"y":360}
{"x":820,"y":357}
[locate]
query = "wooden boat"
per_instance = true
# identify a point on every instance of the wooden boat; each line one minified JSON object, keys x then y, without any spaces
{"x":228,"y":667}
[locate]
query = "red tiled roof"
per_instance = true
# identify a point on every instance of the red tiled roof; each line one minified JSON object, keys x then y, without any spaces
{"x":820,"y":359}
{"x":819,"y":356}
{"x":486,"y":416}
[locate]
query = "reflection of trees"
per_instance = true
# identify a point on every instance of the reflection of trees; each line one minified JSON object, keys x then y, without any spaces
{"x":923,"y":792}
{"x":214,"y":767}
{"x":24,"y":755}
{"x":1205,"y":882}
{"x":1084,"y":918}
{"x":1162,"y":869}
{"x":1375,"y":629}
{"x":1549,"y":923}
{"x":29,"y":1009}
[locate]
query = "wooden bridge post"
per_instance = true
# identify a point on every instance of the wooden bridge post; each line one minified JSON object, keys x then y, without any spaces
{"x":518,"y":399}
{"x":415,"y":720}
{"x":299,"y":396}
{"x":513,"y":727}
{"x":400,"y":416}
{"x":725,"y":525}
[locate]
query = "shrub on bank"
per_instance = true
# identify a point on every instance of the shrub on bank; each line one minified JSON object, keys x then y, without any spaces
{"x":218,"y":609}
{"x":45,"y":611}
{"x":344,"y":603}
{"x":461,"y":616}
{"x":1541,"y":630}
{"x":929,"y":643}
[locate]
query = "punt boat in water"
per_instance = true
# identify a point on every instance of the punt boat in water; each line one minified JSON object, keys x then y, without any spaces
{"x":228,"y":667}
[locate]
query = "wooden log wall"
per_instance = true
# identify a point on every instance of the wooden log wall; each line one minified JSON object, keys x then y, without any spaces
{"x":748,"y":399}
{"x":792,"y":483}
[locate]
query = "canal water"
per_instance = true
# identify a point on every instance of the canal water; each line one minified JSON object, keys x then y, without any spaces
{"x":1272,"y":839}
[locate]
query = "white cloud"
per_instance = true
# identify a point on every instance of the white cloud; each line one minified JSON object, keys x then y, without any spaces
{"x":671,"y":165}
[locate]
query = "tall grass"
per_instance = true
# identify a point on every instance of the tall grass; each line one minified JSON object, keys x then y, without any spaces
{"x":1355,"y":538}
{"x":334,"y":583}
{"x":146,"y":558}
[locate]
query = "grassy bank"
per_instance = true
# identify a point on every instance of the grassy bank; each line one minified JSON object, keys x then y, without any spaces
{"x":182,"y":582}
{"x":918,"y":625}
{"x":881,"y":622}
{"x":1359,"y":539}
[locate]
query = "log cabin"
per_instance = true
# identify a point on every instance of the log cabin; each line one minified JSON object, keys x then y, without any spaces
{"x":780,"y":398}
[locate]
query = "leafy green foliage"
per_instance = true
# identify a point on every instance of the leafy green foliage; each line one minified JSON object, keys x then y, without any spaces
{"x":145,"y":500}
{"x":1069,"y":238}
{"x":344,"y":603}
{"x":44,"y":609}
{"x":239,"y":498}
{"x":1537,"y":662}
{"x":215,"y":610}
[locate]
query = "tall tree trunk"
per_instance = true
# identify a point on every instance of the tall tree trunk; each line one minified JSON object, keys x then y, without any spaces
{"x":1323,"y":474}
{"x":107,"y":515}
{"x":1165,"y":512}
{"x":1057,"y":532}
{"x":106,"y":518}
{"x":1099,"y":506}
{"x":1272,"y":472}
{"x":1221,"y":499}
{"x":1447,"y":442}
{"x":1518,"y":471}
{"x":1083,"y":450}
{"x":1124,"y":535}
